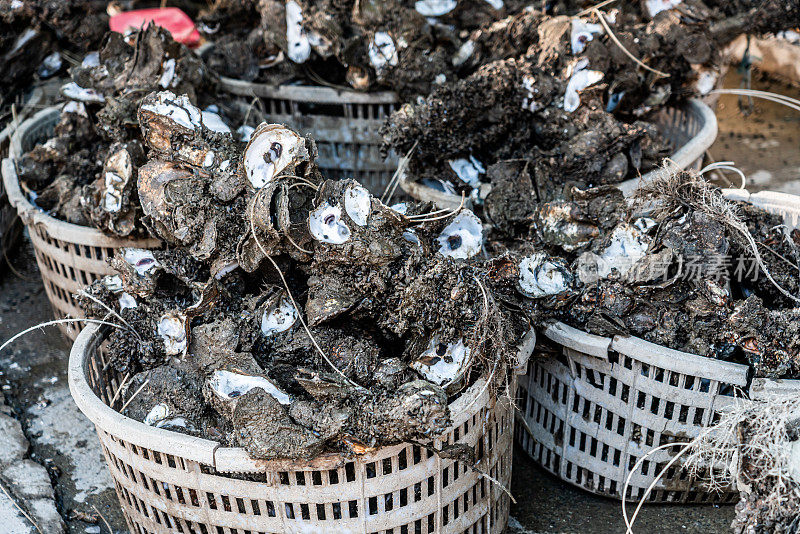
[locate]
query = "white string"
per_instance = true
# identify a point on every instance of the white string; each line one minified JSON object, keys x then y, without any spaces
{"x":725,"y":165}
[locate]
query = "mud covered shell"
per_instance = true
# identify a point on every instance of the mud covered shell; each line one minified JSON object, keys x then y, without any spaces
{"x":326,"y":225}
{"x":541,"y":276}
{"x":272,"y":148}
{"x":463,"y":237}
{"x":156,"y":415}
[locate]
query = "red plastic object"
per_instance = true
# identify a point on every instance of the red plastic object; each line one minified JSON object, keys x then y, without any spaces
{"x":171,"y":19}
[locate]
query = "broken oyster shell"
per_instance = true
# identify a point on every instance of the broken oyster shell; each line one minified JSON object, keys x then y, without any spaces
{"x":541,"y":276}
{"x":156,"y":415}
{"x":442,"y":363}
{"x":463,"y":237}
{"x":172,"y":330}
{"x":272,"y":148}
{"x":160,"y":417}
{"x":357,"y":204}
{"x":127,"y":301}
{"x":279,"y":318}
{"x":325,"y":224}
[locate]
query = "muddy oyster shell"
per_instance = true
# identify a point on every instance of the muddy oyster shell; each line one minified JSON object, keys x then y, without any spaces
{"x":299,"y":47}
{"x":172,"y":330}
{"x":229,"y":385}
{"x":443,"y":363}
{"x":580,"y":79}
{"x":581,"y":33}
{"x":468,"y":170}
{"x":117,"y":174}
{"x":654,"y":7}
{"x":542,"y":276}
{"x":435,"y":8}
{"x":75,"y":92}
{"x":272,"y":148}
{"x":382,"y":52}
{"x":357,"y":204}
{"x":161,"y":417}
{"x":279,"y":318}
{"x":326,"y":225}
{"x":463,"y":237}
{"x":140,"y":259}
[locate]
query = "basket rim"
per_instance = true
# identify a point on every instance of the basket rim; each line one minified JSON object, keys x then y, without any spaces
{"x":31,"y":215}
{"x":737,"y":374}
{"x":208,"y":452}
{"x":309,"y":93}
{"x":680,"y":159}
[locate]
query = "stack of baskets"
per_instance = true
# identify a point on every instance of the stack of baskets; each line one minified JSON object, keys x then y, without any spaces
{"x":69,"y":256}
{"x":169,"y":482}
{"x":594,"y":409}
{"x":344,"y":124}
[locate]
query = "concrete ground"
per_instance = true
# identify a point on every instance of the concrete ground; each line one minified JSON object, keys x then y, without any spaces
{"x":50,"y":457}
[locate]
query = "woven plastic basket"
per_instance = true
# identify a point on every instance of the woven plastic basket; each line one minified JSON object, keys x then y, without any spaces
{"x":169,"y":482}
{"x":690,"y":130}
{"x":343,"y":123}
{"x":591,"y":412}
{"x":69,"y":256}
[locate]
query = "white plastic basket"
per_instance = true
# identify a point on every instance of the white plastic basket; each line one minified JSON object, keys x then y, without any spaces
{"x":591,"y":412}
{"x":69,"y":256}
{"x":343,"y":123}
{"x":169,"y":482}
{"x":690,"y":130}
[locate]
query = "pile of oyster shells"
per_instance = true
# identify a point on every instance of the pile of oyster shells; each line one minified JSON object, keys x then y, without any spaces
{"x":290,"y":314}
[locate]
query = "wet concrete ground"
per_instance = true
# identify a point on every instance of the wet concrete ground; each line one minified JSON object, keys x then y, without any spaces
{"x":33,"y":374}
{"x":765,"y":144}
